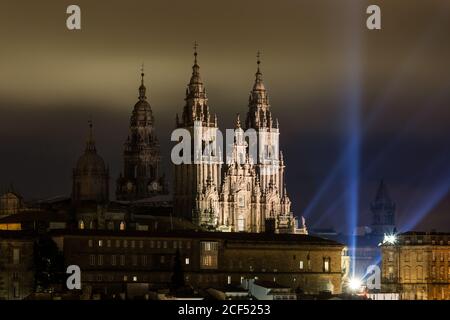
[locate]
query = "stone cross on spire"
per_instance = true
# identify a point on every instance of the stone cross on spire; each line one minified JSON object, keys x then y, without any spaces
{"x":195,"y":51}
{"x":90,"y":143}
{"x":142,"y":88}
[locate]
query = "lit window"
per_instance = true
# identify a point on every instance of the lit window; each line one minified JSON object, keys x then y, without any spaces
{"x":122,"y":226}
{"x":125,"y":278}
{"x":391,"y":272}
{"x":208,"y":255}
{"x":326,"y":264}
{"x":134,"y":278}
{"x":301,"y":264}
{"x":100,"y":243}
{"x":81,"y":224}
{"x":186,"y":261}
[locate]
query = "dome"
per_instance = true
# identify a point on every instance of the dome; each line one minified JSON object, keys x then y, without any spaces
{"x":142,"y":105}
{"x":91,"y":162}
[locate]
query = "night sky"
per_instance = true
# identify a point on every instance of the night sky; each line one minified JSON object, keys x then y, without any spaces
{"x":319,"y":63}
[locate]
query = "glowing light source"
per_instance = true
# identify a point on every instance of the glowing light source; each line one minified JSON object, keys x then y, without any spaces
{"x":355,"y":284}
{"x":390,"y":239}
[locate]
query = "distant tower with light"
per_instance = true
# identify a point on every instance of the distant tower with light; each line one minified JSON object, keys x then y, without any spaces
{"x":383,"y":211}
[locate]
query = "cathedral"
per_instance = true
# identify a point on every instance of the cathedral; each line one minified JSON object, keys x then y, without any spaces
{"x":244,"y":194}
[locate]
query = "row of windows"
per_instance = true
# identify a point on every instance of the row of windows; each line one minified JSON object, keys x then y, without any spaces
{"x":418,"y":273}
{"x":418,"y":256}
{"x":301,"y":265}
{"x":175,"y":244}
{"x":136,"y":260}
{"x":433,"y":241}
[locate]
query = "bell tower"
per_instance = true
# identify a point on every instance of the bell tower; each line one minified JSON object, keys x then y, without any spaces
{"x":141,"y":177}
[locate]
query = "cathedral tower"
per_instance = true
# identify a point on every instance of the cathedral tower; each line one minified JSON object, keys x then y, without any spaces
{"x":383,"y":211}
{"x":91,"y":176}
{"x":270,"y":167}
{"x":196,"y":183}
{"x":141,"y":177}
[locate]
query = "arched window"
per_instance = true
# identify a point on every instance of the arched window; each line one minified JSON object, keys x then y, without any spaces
{"x":81,"y":224}
{"x":419,"y":272}
{"x":122,"y":225}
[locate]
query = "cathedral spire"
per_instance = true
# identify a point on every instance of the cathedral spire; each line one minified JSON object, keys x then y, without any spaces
{"x":195,"y":78}
{"x":90,"y":143}
{"x":259,"y":85}
{"x":142,"y":88}
{"x":382,"y":193}
{"x":238,"y":121}
{"x":258,"y":113}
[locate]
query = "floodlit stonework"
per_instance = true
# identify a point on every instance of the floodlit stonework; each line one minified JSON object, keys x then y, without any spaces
{"x":244,"y":194}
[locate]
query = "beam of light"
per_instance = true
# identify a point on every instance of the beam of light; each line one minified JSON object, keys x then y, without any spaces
{"x":379,"y":106}
{"x":393,"y":143}
{"x":437,"y":176}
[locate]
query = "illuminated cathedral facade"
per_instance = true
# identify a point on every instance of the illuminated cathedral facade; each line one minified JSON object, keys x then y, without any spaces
{"x":240,"y":190}
{"x":245,"y":193}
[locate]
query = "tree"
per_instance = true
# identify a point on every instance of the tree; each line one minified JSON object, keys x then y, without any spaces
{"x":49,"y":264}
{"x":178,"y":274}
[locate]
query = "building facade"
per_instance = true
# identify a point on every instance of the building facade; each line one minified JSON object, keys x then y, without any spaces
{"x":417,"y":266}
{"x":247,"y":193}
{"x":10,"y":203}
{"x":16,"y":265}
{"x":111,"y":260}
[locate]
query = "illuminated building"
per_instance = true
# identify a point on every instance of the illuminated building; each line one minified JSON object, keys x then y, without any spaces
{"x":111,"y":260}
{"x":417,"y":266}
{"x":245,"y":194}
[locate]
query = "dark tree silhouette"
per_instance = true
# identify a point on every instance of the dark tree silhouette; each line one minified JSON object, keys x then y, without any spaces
{"x":49,"y":264}
{"x":178,"y":274}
